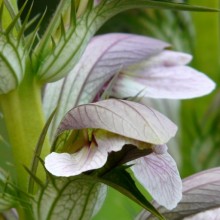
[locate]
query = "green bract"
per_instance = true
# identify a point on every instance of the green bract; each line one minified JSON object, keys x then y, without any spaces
{"x":12,"y":64}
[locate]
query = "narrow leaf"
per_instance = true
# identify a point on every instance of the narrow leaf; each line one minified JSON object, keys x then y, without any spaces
{"x":121,"y":180}
{"x":129,"y":4}
{"x":16,"y":18}
{"x":42,"y":46}
{"x":37,"y":154}
{"x":34,"y":34}
{"x":24,"y":23}
{"x":8,"y":194}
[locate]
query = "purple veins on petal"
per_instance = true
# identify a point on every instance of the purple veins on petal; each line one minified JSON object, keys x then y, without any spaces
{"x":158,"y":173}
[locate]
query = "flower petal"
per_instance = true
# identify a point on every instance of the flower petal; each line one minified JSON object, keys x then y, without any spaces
{"x":110,"y":53}
{"x":166,"y":58}
{"x":201,"y":192}
{"x":89,"y":157}
{"x":174,"y":82}
{"x":212,"y":214}
{"x":143,"y":124}
{"x":159,"y":175}
{"x":64,"y":164}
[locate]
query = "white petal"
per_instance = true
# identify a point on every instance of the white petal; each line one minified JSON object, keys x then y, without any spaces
{"x":170,"y":108}
{"x":113,"y":142}
{"x":175,"y":82}
{"x":159,"y":175}
{"x":110,"y":141}
{"x":160,"y":149}
{"x":171,"y":58}
{"x":88,"y":158}
{"x":125,"y":118}
{"x":166,"y":58}
{"x":64,"y":164}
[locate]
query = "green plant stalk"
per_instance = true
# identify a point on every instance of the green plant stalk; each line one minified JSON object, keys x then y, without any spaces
{"x":23,"y":114}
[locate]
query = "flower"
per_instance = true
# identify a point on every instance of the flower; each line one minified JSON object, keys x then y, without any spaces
{"x":112,"y":129}
{"x":129,"y":65}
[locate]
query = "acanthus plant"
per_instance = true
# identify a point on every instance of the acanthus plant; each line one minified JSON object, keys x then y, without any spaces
{"x":97,"y":140}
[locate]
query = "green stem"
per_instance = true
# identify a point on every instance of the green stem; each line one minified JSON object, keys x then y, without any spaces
{"x":24,"y":119}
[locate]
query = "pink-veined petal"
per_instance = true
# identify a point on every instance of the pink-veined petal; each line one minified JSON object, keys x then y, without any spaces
{"x":114,"y":142}
{"x":159,"y":175}
{"x":125,"y":118}
{"x":64,"y":164}
{"x":212,"y":214}
{"x":104,"y":56}
{"x":160,"y":149}
{"x":166,"y":58}
{"x":89,"y":157}
{"x":175,"y":82}
{"x":201,"y":192}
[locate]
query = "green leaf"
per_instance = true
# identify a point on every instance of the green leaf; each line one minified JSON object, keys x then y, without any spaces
{"x":10,"y":13}
{"x":160,"y":4}
{"x":121,"y":180}
{"x":11,"y":196}
{"x":37,"y":153}
{"x":69,"y":198}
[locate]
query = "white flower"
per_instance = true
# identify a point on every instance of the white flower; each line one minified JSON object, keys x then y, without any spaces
{"x":126,"y":123}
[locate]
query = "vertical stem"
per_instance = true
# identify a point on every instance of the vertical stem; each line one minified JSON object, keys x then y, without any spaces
{"x":24,"y":119}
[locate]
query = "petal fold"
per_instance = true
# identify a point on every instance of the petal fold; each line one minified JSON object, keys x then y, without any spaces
{"x":64,"y":164}
{"x":143,"y":124}
{"x":159,"y":175}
